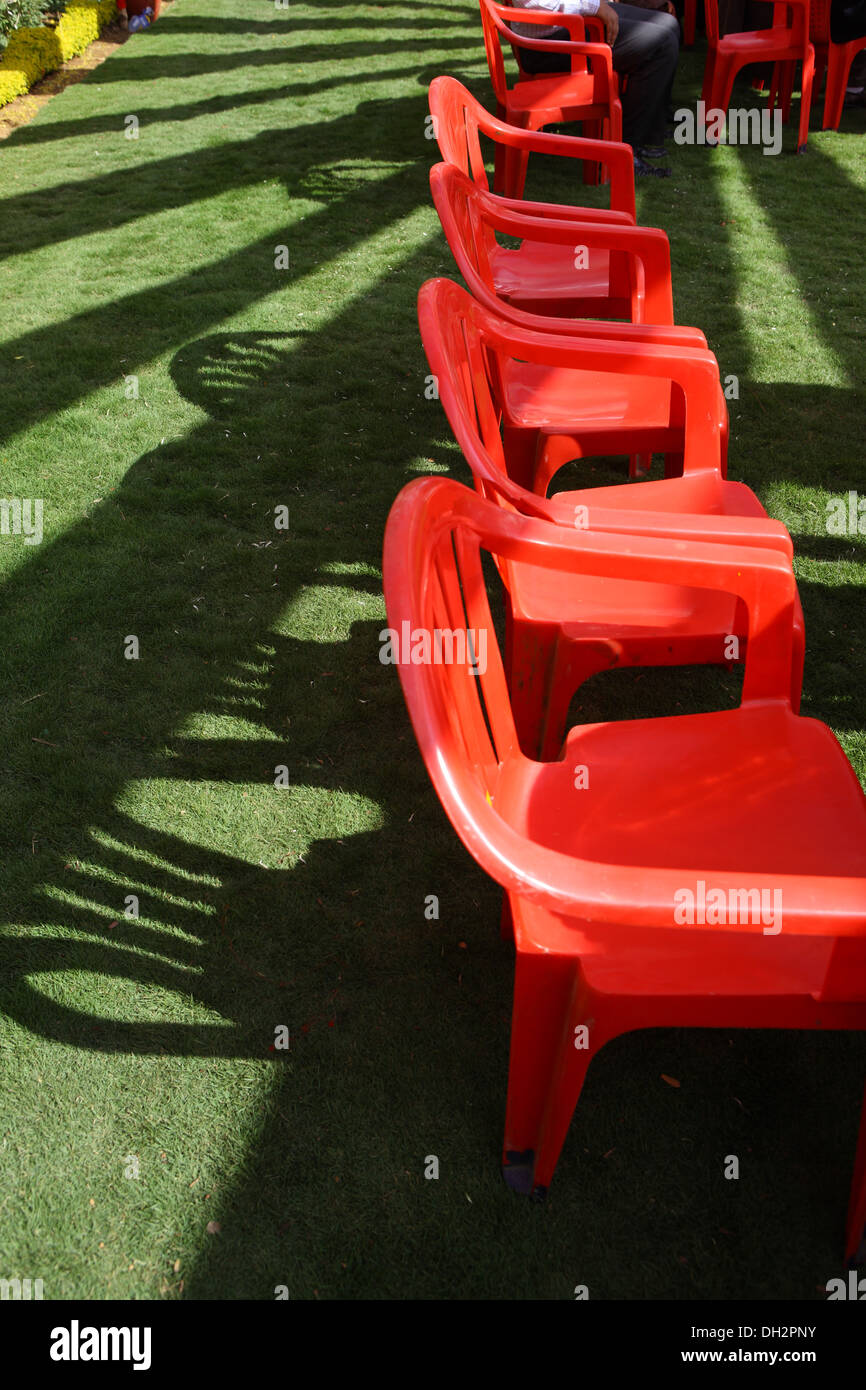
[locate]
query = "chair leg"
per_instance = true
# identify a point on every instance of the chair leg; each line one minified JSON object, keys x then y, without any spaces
{"x":724,"y":86}
{"x":572,"y":662}
{"x":519,"y":447}
{"x":544,"y":1000}
{"x":774,"y":87}
{"x":639,"y":465}
{"x":787,"y":90}
{"x":855,"y":1226}
{"x":592,"y":130}
{"x":806,"y":98}
{"x":689,"y":18}
{"x":838,"y":65}
{"x":500,"y":159}
{"x":506,"y":920}
{"x":516,"y":164}
{"x":709,"y":76}
{"x":566,"y":1082}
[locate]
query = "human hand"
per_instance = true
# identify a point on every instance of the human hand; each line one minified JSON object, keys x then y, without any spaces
{"x":607,"y":14}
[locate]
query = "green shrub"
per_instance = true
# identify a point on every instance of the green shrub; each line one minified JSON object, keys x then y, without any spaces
{"x":36,"y":49}
{"x":25,"y":14}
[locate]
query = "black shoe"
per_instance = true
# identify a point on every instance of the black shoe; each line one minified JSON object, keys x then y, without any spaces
{"x":652,"y":152}
{"x":644,"y":170}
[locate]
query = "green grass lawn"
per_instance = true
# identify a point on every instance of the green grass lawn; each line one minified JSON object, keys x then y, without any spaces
{"x":146,"y":1046}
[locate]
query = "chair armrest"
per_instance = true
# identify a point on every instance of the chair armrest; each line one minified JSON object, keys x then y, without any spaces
{"x":647,"y":245}
{"x":425,"y":516}
{"x":693,"y":370}
{"x":577,"y":48}
{"x":547,"y":19}
{"x":761,"y":576}
{"x":618,"y":158}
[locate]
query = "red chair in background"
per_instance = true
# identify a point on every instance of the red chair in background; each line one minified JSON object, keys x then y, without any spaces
{"x":587,"y":93}
{"x":784,"y":45}
{"x":835,"y":57}
{"x":612,"y":855}
{"x":560,"y":635}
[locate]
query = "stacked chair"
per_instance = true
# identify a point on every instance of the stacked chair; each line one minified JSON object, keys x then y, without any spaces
{"x":784,"y":45}
{"x":611,"y":839}
{"x":836,"y":58}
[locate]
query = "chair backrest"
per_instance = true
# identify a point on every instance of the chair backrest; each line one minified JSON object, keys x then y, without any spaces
{"x":470,"y":236}
{"x":457,"y":120}
{"x":497,"y":21}
{"x":434,"y":583}
{"x":467,"y":347}
{"x":440,"y":618}
{"x":452,"y":338}
{"x":794,"y":16}
{"x":493,"y":49}
{"x":711,"y":19}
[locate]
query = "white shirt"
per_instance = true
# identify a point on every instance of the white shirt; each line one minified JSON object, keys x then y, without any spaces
{"x":536,"y":31}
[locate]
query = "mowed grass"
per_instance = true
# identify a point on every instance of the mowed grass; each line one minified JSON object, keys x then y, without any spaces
{"x":164,"y":387}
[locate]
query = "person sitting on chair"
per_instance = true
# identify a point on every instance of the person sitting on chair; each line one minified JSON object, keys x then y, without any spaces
{"x":645,"y":45}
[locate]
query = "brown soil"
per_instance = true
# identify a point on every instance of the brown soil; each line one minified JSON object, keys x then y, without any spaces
{"x":23,"y":109}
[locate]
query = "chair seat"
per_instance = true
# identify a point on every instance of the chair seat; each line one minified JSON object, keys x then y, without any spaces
{"x":556,"y":95}
{"x":700,"y":494}
{"x":543,"y":274}
{"x":761,"y":45}
{"x":555,"y":398}
{"x":770,"y":793}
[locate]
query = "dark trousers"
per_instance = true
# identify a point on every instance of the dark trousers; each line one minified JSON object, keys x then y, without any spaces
{"x":647,"y":48}
{"x":847,"y":20}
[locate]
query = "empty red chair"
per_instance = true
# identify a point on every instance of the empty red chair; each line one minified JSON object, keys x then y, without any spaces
{"x":835,"y":57}
{"x":587,"y":93}
{"x":535,"y":278}
{"x":705,"y":870}
{"x":566,"y":398}
{"x":471,"y":217}
{"x":558,"y":635}
{"x":564,"y":268}
{"x":785,"y":44}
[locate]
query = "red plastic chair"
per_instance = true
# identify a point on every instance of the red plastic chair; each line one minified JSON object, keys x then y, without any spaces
{"x":537,"y":284}
{"x":835,"y":57}
{"x":601,"y":851}
{"x":471,"y":217}
{"x":784,"y":45}
{"x":459,"y":120}
{"x":587,"y":93}
{"x":602,"y":288}
{"x":614,"y":405}
{"x":560,"y":636}
{"x":564,"y":268}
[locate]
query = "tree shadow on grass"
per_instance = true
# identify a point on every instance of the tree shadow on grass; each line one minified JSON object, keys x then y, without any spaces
{"x":134,"y":329}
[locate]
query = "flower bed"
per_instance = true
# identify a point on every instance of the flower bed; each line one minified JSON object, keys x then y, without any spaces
{"x":31,"y":53}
